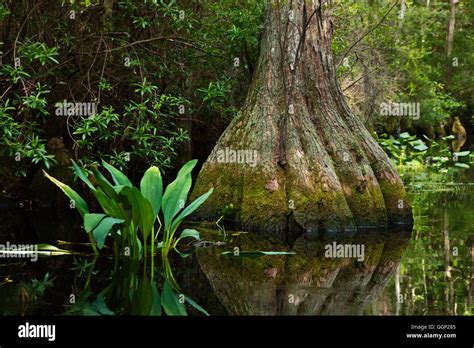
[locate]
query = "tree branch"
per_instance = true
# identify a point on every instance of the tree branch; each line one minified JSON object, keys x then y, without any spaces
{"x":367,"y":33}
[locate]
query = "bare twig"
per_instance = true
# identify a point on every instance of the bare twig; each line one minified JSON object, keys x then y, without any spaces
{"x":367,"y":33}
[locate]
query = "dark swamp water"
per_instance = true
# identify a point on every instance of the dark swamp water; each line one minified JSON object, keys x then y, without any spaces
{"x":427,"y":270}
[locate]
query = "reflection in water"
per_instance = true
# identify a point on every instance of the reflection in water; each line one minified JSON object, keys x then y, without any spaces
{"x":308,"y":283}
{"x":436,"y":268}
{"x":429,"y":273}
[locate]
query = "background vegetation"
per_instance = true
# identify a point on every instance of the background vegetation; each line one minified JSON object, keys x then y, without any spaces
{"x":167,"y":78}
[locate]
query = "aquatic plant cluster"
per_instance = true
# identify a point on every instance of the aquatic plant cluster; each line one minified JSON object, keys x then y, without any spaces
{"x":135,"y":219}
{"x":409,"y":151}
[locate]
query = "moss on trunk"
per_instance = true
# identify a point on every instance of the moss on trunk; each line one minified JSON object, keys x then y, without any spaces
{"x":317,"y":168}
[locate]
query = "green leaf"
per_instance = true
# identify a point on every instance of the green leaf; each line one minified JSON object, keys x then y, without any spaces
{"x":103,"y":229}
{"x":256,"y":254}
{"x":101,"y":307}
{"x":118,"y":177}
{"x":142,"y":211}
{"x":190,"y":233}
{"x":91,"y":221}
{"x":49,"y":247}
{"x":151,"y":187}
{"x":43,"y":249}
{"x":421,"y":147}
{"x":156,"y":307}
{"x":142,"y":302}
{"x":449,"y":137}
{"x":170,"y":301}
{"x":404,"y":135}
{"x":80,"y":174}
{"x":191,"y":208}
{"x":80,"y":204}
{"x":462,"y":165}
{"x":177,"y":192}
{"x":106,"y":186}
{"x":195,"y":305}
{"x":187,"y":233}
{"x":110,"y":206}
{"x":462,"y":153}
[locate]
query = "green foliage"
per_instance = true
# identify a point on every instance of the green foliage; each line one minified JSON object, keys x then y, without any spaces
{"x":409,"y":151}
{"x":405,"y":59}
{"x":130,"y":216}
{"x":144,"y":132}
{"x":32,"y":51}
{"x":38,"y":287}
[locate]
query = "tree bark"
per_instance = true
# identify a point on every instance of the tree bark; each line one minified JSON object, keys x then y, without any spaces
{"x":450,"y":42}
{"x":451,"y":26}
{"x":318,"y":168}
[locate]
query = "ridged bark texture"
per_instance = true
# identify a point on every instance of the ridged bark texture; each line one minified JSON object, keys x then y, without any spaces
{"x":317,"y":167}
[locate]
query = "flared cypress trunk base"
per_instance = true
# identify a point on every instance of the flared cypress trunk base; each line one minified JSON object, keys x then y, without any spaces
{"x":296,"y":160}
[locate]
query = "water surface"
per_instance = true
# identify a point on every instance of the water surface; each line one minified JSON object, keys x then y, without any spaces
{"x":427,"y":270}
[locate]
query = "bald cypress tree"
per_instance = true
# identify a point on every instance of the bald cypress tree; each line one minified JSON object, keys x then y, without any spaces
{"x":317,"y":167}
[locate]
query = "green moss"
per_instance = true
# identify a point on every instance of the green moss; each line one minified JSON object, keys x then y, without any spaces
{"x":398,"y":208}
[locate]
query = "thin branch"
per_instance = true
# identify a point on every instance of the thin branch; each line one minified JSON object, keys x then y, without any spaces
{"x":367,"y":33}
{"x":360,"y":78}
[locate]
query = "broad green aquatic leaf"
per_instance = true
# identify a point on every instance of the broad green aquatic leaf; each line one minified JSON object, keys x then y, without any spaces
{"x":462,"y":165}
{"x":170,"y":302}
{"x":103,"y":229}
{"x":48,"y":247}
{"x":42,"y":249}
{"x":255,"y":254}
{"x":151,"y":187}
{"x":191,"y":208}
{"x":142,"y":211}
{"x":80,"y":174}
{"x":91,"y":221}
{"x":177,"y":192}
{"x":80,"y":204}
{"x":110,"y":206}
{"x":118,"y":177}
{"x":156,"y":307}
{"x":404,"y":135}
{"x":189,"y":233}
{"x":195,"y":305}
{"x":89,"y":311}
{"x":462,"y":153}
{"x":421,"y":147}
{"x":142,"y":302}
{"x":101,"y":307}
{"x":105,"y":185}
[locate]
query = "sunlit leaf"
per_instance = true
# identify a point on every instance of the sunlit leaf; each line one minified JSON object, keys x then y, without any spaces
{"x":191,"y":208}
{"x":80,"y":204}
{"x":118,"y":177}
{"x":151,"y":187}
{"x":196,"y":306}
{"x":177,"y":192}
{"x":256,"y":254}
{"x":103,"y":228}
{"x":91,"y":221}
